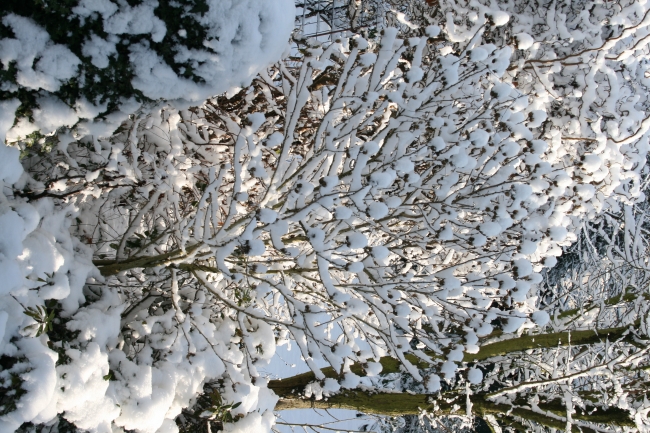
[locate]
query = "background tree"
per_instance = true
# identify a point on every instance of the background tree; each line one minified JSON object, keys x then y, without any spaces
{"x":71,"y":59}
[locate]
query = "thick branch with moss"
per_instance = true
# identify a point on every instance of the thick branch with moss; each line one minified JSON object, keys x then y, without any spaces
{"x":551,"y":414}
{"x":398,"y":404}
{"x":289,"y":386}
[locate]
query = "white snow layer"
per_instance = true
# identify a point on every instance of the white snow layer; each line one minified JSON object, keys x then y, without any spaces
{"x":247,"y":36}
{"x":40,"y":63}
{"x":244,"y":37}
{"x":36,"y":246}
{"x":474,"y":375}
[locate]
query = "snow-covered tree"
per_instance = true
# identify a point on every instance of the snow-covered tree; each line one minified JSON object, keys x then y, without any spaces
{"x":585,"y":369}
{"x":62,"y":61}
{"x":373,"y":201}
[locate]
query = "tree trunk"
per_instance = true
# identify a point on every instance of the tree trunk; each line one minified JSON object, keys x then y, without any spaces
{"x":453,"y":403}
{"x":291,"y":389}
{"x":291,"y":385}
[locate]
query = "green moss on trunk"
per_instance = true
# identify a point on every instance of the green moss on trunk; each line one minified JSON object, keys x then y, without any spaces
{"x":544,"y":341}
{"x":398,"y":404}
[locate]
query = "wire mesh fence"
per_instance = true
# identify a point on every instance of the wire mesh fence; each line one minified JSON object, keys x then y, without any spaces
{"x":321,"y":19}
{"x":325,"y":19}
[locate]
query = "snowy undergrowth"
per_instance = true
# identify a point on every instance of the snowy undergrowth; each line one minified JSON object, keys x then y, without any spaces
{"x":41,"y":265}
{"x":76,"y":366}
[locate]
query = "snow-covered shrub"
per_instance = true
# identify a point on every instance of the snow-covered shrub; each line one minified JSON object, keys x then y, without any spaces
{"x":364,"y":198}
{"x":44,"y":270}
{"x":77,"y":59}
